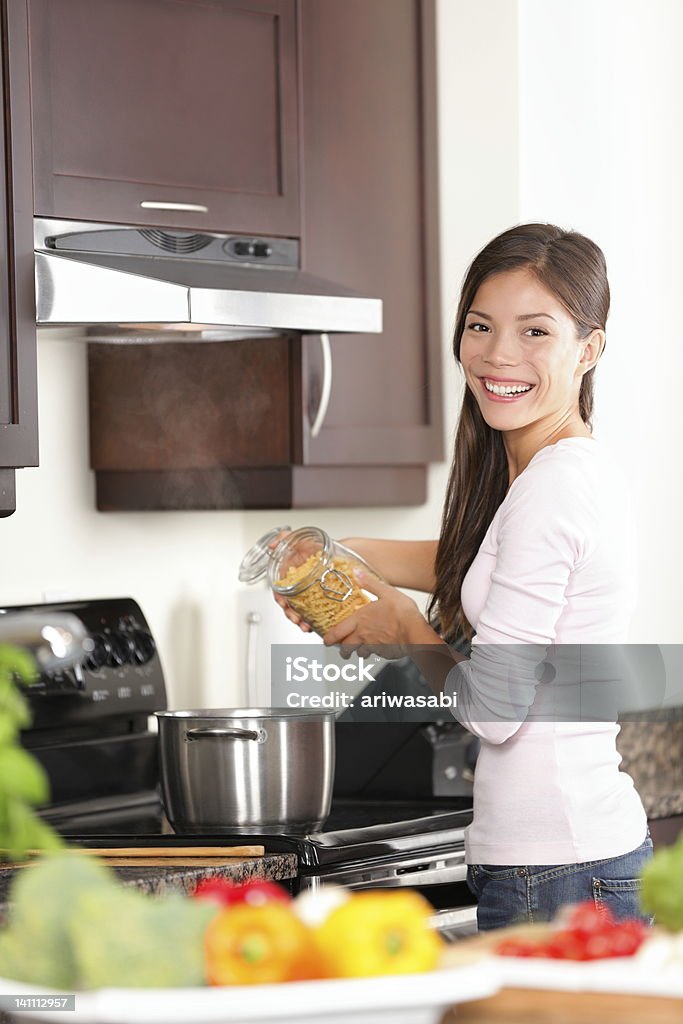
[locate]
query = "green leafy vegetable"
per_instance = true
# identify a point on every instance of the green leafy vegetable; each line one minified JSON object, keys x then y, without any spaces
{"x":662,"y":892}
{"x":125,"y":938}
{"x":36,"y":946}
{"x":23,"y":782}
{"x":74,"y":926}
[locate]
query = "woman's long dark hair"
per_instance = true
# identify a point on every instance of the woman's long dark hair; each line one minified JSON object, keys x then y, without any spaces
{"x":572,"y":267}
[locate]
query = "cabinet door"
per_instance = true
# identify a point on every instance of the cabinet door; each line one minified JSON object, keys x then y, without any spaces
{"x":370,"y":221}
{"x":166,"y":112}
{"x":18,"y":403}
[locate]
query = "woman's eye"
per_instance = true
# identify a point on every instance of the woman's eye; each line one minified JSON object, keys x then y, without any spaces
{"x":537,"y":332}
{"x":477,"y":327}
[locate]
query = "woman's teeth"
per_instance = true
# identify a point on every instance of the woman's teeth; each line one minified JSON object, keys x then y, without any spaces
{"x":507,"y":389}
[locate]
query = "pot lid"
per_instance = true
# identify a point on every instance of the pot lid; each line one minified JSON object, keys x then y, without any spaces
{"x":254,"y":565}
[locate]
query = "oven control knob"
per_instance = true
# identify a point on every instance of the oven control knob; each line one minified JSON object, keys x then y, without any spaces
{"x":119,"y":650}
{"x":144,"y":647}
{"x":99,"y":655}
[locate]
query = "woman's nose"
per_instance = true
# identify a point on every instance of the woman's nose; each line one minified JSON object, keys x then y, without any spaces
{"x":501,"y":349}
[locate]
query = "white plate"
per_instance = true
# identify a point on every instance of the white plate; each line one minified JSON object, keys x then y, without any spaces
{"x":622,"y":975}
{"x":397,"y":999}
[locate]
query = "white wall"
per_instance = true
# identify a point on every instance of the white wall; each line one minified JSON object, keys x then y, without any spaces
{"x":601,"y":151}
{"x":506,"y":95}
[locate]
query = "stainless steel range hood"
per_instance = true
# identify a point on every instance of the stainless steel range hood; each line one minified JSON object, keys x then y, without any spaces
{"x":142,"y":284}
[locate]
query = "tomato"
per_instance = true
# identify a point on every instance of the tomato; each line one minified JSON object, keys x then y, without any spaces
{"x":516,"y":947}
{"x":588,"y":918}
{"x":627,"y":937}
{"x":590,"y":933}
{"x":255,"y":892}
{"x":601,"y":944}
{"x":568,"y":944}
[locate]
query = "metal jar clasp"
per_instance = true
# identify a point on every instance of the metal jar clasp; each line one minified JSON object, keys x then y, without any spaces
{"x":343,"y":587}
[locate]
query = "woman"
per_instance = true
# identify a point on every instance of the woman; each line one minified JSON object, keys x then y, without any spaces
{"x":535,"y":553}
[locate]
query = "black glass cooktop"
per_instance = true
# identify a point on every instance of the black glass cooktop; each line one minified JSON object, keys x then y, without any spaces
{"x":354,"y":829}
{"x":346,"y":814}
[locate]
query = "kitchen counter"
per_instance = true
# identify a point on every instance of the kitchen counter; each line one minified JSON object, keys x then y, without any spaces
{"x":536,"y":1006}
{"x":176,"y":878}
{"x":652,"y":753}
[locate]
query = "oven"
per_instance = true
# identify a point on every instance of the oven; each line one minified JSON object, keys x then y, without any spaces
{"x":401,"y":803}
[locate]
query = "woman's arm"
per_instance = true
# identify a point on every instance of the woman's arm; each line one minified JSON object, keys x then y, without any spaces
{"x":402,"y":563}
{"x":394,"y":627}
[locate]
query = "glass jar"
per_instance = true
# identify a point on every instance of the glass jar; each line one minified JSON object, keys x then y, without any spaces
{"x":312,"y":571}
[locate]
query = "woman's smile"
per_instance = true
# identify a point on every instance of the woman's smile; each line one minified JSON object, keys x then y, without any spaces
{"x":498,"y":390}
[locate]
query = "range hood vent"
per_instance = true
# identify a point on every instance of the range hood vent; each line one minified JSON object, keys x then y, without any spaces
{"x":141,"y":284}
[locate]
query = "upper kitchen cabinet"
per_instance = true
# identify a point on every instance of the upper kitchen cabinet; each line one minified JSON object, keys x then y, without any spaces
{"x":298,"y":420}
{"x":370,"y":221}
{"x":18,"y":401}
{"x":178,"y":113}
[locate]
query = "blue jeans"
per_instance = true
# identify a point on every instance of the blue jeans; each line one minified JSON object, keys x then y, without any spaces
{"x":514,"y":894}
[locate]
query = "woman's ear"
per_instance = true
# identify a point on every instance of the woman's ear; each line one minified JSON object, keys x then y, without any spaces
{"x":593,"y":347}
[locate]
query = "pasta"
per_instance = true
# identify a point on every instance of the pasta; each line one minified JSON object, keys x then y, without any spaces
{"x":319,"y":608}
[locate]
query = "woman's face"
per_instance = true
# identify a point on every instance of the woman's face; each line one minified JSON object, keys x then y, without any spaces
{"x":521,"y":354}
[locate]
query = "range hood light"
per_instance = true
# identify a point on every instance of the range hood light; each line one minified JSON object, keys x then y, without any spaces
{"x":161,"y":333}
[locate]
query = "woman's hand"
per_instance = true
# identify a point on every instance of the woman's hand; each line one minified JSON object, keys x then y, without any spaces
{"x":291,"y":614}
{"x":387,"y":626}
{"x":282,"y":601}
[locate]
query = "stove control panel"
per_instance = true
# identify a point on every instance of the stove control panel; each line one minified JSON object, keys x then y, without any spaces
{"x":120,"y":675}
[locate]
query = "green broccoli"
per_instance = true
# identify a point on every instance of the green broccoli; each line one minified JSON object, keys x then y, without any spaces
{"x":73,"y":925}
{"x":36,"y":946}
{"x":662,"y":892}
{"x":124,"y":938}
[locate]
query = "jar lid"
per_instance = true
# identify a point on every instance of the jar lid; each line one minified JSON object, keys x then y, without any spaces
{"x":255,"y":563}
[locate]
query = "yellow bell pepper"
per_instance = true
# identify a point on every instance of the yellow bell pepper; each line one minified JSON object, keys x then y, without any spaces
{"x":377,"y":933}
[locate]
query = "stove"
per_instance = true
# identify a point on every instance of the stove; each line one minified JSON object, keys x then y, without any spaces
{"x":393,"y":823}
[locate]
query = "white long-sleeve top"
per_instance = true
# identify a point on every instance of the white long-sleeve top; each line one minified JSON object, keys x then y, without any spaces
{"x":556,"y":568}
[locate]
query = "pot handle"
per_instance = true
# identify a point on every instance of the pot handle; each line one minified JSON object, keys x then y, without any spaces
{"x":235,"y":734}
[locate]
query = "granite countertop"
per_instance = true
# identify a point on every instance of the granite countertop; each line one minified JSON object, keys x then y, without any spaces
{"x":178,"y":878}
{"x":652,"y":753}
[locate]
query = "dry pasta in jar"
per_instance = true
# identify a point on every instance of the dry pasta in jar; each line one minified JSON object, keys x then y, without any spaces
{"x":313,"y":572}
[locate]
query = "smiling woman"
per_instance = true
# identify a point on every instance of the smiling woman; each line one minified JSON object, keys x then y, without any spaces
{"x":532,"y":312}
{"x":535,"y":571}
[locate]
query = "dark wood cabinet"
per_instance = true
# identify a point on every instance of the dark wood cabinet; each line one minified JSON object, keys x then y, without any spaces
{"x":370,"y":221}
{"x":208,"y":426}
{"x":243,"y":438}
{"x":178,"y":113}
{"x":314,"y":119}
{"x":18,"y":400}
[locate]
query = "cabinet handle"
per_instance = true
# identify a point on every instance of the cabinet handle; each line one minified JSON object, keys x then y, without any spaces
{"x":153,"y":204}
{"x":326,"y":389}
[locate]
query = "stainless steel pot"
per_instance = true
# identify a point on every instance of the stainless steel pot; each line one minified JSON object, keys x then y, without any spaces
{"x":246,"y":769}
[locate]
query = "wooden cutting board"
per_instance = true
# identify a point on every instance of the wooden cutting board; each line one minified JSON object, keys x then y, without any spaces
{"x":173,"y":852}
{"x":164,"y":856}
{"x":173,"y":862}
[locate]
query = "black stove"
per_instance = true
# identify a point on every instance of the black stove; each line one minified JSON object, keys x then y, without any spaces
{"x":396,"y":817}
{"x":356,"y":831}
